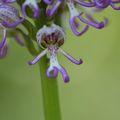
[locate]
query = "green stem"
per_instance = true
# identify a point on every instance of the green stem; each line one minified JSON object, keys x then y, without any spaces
{"x":50,"y":93}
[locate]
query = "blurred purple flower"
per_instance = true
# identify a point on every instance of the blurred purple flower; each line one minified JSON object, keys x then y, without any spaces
{"x":75,"y":15}
{"x":9,"y":18}
{"x":51,"y":39}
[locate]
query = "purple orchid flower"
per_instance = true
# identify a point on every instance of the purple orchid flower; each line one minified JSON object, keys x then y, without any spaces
{"x":33,"y":5}
{"x":51,"y":39}
{"x":74,"y":15}
{"x":9,"y":18}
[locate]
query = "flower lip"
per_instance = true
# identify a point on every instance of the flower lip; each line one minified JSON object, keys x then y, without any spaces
{"x":48,"y":36}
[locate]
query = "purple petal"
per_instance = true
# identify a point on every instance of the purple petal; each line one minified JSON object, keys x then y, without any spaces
{"x":36,"y":12}
{"x":4,"y":39}
{"x":94,"y":21}
{"x":48,"y":1}
{"x":115,"y":1}
{"x":9,"y":1}
{"x":52,"y":9}
{"x":37,"y":58}
{"x":85,"y":4}
{"x":91,"y":22}
{"x":24,"y":10}
{"x":74,"y":28}
{"x":114,"y":6}
{"x":64,"y":74}
{"x":3,"y":51}
{"x":52,"y":72}
{"x":8,"y":25}
{"x":34,"y":8}
{"x":102,"y":3}
{"x":71,"y":58}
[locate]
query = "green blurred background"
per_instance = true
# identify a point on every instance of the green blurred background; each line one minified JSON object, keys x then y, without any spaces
{"x":94,"y":90}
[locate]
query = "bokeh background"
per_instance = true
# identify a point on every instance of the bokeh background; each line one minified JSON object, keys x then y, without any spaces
{"x":94,"y":90}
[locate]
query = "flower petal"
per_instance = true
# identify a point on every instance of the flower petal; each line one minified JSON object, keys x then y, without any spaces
{"x":48,"y":1}
{"x":3,"y":39}
{"x":74,"y":14}
{"x":113,"y":5}
{"x":91,"y":21}
{"x":82,"y":3}
{"x":74,"y":28}
{"x":71,"y":58}
{"x":51,"y":9}
{"x":8,"y":25}
{"x":38,"y":57}
{"x":64,"y":74}
{"x":33,"y":5}
{"x":9,"y":1}
{"x":102,"y":3}
{"x":52,"y":72}
{"x":3,"y":51}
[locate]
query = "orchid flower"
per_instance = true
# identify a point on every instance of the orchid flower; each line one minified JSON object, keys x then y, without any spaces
{"x":51,"y":39}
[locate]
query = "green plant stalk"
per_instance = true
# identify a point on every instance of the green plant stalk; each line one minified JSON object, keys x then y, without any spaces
{"x":49,"y":86}
{"x":50,"y":93}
